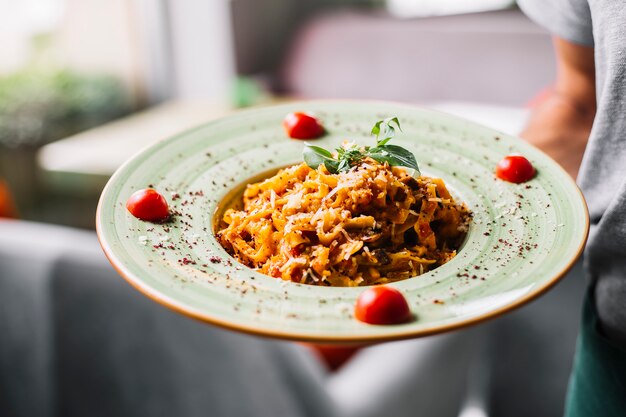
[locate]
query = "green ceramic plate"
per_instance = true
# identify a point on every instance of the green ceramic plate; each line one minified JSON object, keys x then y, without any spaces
{"x":522,"y":240}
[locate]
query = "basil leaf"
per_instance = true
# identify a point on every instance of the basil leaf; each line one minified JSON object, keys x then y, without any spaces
{"x":314,"y":156}
{"x":318,"y":150}
{"x":344,"y":165}
{"x":394,"y":155}
{"x":384,"y":130}
{"x":332,"y":166}
{"x":346,"y":158}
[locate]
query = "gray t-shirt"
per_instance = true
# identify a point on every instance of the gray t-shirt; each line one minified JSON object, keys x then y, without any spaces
{"x":602,"y":24}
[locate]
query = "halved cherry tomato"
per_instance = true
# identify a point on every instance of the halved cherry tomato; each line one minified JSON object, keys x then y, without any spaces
{"x":299,"y":125}
{"x":148,"y":204}
{"x":515,"y":168}
{"x":382,"y":305}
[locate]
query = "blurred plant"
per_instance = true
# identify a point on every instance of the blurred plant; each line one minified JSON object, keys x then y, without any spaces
{"x":39,"y":106}
{"x":247,"y":91}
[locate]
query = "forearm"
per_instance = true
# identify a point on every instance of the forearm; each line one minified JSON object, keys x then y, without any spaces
{"x":560,"y":126}
{"x":575,"y":77}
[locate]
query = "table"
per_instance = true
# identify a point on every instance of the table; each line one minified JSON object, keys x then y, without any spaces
{"x":86,"y":160}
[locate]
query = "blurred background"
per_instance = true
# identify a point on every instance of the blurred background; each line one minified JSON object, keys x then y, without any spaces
{"x":84,"y":84}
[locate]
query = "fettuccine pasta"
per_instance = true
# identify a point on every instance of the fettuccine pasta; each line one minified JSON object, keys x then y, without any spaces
{"x":370,"y":225}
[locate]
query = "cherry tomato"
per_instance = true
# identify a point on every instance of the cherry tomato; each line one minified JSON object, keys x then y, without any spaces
{"x":382,"y":305}
{"x":515,"y":168}
{"x":301,"y":125}
{"x":148,"y":204}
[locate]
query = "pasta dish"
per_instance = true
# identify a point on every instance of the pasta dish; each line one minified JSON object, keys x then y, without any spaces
{"x":369,"y":224}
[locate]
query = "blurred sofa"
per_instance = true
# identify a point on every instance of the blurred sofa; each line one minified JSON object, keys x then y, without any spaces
{"x":493,"y":57}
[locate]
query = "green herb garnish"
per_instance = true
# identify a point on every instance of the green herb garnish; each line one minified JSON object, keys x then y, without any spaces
{"x":347,"y":157}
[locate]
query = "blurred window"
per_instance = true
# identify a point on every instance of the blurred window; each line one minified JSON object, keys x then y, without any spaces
{"x":65,"y":66}
{"x":20,"y":21}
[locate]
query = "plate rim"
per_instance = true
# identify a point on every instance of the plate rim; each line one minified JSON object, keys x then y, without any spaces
{"x":180,"y":308}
